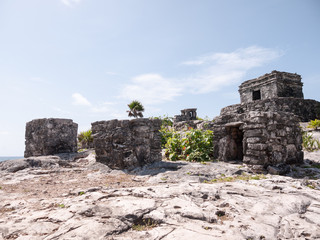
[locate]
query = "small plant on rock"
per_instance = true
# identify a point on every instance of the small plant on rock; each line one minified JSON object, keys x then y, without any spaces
{"x":309,"y":143}
{"x":315,"y":124}
{"x":144,"y":224}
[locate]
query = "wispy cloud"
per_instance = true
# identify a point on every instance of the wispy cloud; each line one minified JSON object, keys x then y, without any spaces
{"x":218,"y":70}
{"x":151,"y":89}
{"x":70,"y":3}
{"x":80,"y":100}
{"x":212,"y":72}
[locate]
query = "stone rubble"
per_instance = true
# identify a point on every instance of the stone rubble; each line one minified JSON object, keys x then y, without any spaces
{"x":84,"y":199}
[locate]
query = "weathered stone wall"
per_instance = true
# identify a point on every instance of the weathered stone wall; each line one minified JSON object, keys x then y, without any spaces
{"x":260,"y":138}
{"x":272,"y":85}
{"x":125,"y":144}
{"x":50,"y":136}
{"x":305,"y":109}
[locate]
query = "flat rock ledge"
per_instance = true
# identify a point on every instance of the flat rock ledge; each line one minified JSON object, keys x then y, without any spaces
{"x":74,"y":197}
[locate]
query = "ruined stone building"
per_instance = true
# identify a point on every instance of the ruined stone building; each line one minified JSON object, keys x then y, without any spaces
{"x":264,"y":128}
{"x":186,"y":115}
{"x":49,"y":136}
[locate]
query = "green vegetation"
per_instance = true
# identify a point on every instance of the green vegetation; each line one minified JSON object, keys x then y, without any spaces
{"x":192,"y":145}
{"x":61,"y":205}
{"x":144,"y":224}
{"x":81,"y":193}
{"x":85,"y":139}
{"x":243,"y":177}
{"x":166,"y":129}
{"x":311,"y":186}
{"x":206,"y":118}
{"x":309,"y":143}
{"x":314,"y":124}
{"x":135,"y":109}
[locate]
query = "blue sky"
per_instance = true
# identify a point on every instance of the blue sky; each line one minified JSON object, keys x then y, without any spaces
{"x":87,"y":59}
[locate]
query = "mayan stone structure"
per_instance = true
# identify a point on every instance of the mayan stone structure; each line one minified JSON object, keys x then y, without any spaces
{"x":188,"y":114}
{"x":263,"y":130}
{"x":258,"y":138}
{"x":271,"y":85}
{"x":126,"y":144}
{"x":50,"y":136}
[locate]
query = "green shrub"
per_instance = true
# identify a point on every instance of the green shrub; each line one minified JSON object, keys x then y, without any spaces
{"x":193,"y":145}
{"x":314,"y":124}
{"x":309,"y":143}
{"x":166,"y":130}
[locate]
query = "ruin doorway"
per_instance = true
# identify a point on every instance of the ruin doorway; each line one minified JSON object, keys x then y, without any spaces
{"x":256,"y":95}
{"x":235,"y":136}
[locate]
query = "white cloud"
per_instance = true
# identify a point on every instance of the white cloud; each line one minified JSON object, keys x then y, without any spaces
{"x":212,"y":72}
{"x":70,"y":3}
{"x":151,"y":89}
{"x":80,"y":100}
{"x":4,"y":133}
{"x":218,"y":70}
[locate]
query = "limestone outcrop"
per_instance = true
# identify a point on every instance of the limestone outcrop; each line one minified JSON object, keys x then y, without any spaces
{"x":50,"y":136}
{"x":85,"y":199}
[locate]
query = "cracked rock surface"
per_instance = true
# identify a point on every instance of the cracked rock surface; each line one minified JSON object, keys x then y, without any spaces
{"x":73,"y":197}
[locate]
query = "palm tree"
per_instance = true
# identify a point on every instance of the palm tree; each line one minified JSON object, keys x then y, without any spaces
{"x":85,"y":139}
{"x":136,"y":109}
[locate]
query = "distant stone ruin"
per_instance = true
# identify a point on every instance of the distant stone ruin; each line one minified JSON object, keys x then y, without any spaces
{"x":126,"y":144}
{"x":49,"y":136}
{"x":186,"y":115}
{"x":264,"y":129}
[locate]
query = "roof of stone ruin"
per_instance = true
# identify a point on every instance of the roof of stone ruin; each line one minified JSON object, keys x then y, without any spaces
{"x":272,"y":77}
{"x":189,"y":109}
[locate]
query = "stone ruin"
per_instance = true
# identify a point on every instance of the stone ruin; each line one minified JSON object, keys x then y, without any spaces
{"x":271,"y":85}
{"x":126,"y":144}
{"x":188,"y":114}
{"x":264,"y":129}
{"x":49,"y":136}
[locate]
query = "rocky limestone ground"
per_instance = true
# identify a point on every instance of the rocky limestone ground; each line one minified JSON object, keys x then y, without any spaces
{"x":73,"y":197}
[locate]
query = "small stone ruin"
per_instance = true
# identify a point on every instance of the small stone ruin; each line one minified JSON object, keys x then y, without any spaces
{"x":49,"y":136}
{"x":186,"y":115}
{"x":126,"y":144}
{"x":264,"y":129}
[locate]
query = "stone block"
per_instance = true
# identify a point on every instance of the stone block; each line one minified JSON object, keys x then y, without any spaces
{"x":255,"y":140}
{"x":257,"y":146}
{"x":126,"y":144}
{"x":253,"y":133}
{"x":49,"y":136}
